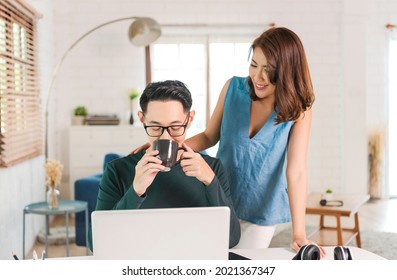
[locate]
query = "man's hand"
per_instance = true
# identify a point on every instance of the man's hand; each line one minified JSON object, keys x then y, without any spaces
{"x":145,"y":172}
{"x":194,"y":165}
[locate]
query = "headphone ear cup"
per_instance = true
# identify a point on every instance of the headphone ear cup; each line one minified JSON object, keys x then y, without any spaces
{"x":312,"y":252}
{"x":342,"y":253}
{"x":338,"y":253}
{"x":349,"y":254}
{"x":299,"y":254}
{"x":308,"y":252}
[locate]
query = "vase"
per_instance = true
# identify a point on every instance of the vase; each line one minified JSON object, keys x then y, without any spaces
{"x":328,"y":196}
{"x":78,"y":120}
{"x":52,"y":198}
{"x":133,"y":108}
{"x":131,"y":118}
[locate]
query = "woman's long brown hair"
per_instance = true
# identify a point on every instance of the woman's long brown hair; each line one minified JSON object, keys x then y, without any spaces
{"x":288,"y":70}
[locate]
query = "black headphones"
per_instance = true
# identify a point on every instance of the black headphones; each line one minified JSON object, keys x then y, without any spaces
{"x":308,"y":252}
{"x":312,"y":252}
{"x":337,"y":203}
{"x":342,"y":253}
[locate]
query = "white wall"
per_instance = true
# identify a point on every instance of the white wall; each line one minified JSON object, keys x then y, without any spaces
{"x":382,"y":12}
{"x":99,"y":72}
{"x":24,"y":183}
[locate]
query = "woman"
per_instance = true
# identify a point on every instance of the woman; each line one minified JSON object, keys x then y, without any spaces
{"x":262,"y":123}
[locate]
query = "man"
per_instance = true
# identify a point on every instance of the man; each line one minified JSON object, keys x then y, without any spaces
{"x":135,"y":181}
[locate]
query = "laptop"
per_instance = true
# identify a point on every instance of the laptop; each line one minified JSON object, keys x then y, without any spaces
{"x":198,"y":233}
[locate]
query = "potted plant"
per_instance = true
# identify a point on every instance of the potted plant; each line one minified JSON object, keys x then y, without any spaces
{"x":80,"y":112}
{"x":133,"y":95}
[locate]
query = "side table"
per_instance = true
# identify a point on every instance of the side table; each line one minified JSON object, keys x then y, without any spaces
{"x":325,"y":235}
{"x":65,"y":207}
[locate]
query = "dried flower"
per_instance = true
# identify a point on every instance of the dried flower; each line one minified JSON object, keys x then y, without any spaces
{"x":53,"y":172}
{"x":375,"y":160}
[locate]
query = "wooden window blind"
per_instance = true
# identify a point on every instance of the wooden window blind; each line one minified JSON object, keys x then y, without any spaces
{"x":21,"y":126}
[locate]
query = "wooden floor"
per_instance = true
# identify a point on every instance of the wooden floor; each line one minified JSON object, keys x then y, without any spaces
{"x":376,"y":215}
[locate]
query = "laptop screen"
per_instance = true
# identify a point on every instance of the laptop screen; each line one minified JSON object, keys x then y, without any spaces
{"x":197,"y":233}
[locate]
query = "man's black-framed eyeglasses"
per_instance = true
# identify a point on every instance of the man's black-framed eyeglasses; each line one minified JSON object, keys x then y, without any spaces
{"x":175,"y":130}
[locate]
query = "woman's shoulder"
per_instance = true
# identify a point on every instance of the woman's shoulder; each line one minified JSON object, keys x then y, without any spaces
{"x":238,"y":88}
{"x":239,"y":82}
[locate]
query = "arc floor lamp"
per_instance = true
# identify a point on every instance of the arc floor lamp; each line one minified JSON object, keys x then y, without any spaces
{"x":142,"y":32}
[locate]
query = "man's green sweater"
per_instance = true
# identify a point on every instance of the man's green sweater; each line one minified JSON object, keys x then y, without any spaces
{"x":169,"y":190}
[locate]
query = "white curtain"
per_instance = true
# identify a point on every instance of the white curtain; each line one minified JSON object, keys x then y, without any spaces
{"x":392,"y":135}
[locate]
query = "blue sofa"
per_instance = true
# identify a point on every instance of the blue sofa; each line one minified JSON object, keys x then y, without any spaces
{"x":86,"y":189}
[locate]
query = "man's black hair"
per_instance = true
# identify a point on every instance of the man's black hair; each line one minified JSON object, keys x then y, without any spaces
{"x":165,"y":91}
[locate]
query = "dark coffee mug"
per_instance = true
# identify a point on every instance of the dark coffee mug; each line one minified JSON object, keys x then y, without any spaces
{"x":168,"y":152}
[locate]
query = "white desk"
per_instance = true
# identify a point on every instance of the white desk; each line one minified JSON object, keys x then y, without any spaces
{"x":288,"y":254}
{"x":275,"y":254}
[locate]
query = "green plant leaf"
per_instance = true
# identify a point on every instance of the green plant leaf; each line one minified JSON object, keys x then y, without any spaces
{"x":134,"y":94}
{"x":80,"y":111}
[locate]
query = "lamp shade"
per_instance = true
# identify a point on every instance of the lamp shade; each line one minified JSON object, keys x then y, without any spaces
{"x":144,"y":31}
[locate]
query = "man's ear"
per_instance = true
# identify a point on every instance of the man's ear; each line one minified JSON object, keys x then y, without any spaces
{"x":140,"y":116}
{"x":191,"y":118}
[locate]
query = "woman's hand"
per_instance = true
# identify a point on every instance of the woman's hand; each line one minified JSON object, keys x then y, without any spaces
{"x":141,"y":148}
{"x":194,"y":165}
{"x":296,"y":244}
{"x":145,"y":172}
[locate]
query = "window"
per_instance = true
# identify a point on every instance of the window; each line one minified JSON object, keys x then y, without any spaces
{"x":187,"y":63}
{"x":203,"y":63}
{"x":21,"y":132}
{"x":226,"y":60}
